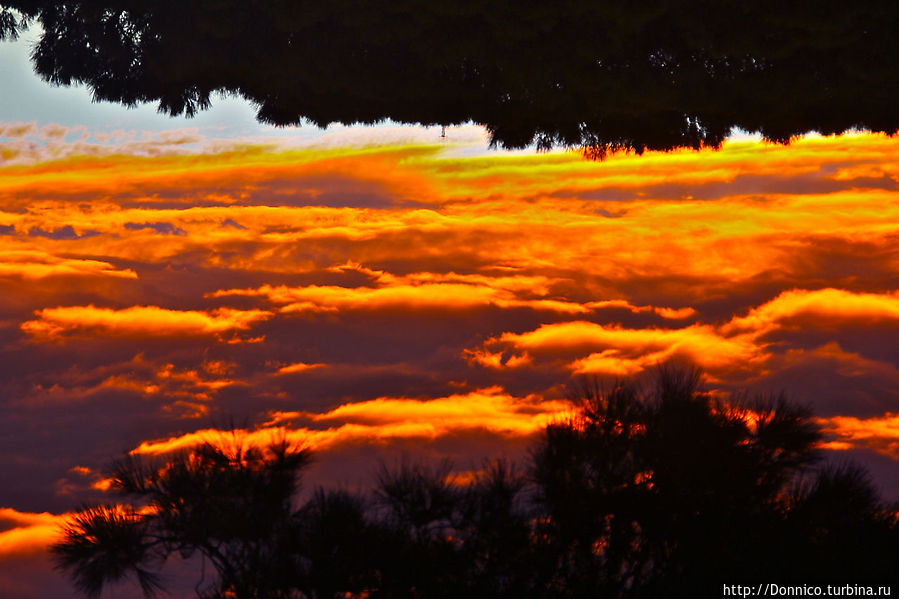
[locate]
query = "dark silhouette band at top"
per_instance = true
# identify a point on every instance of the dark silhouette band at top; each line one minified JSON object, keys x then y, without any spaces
{"x":598,"y":74}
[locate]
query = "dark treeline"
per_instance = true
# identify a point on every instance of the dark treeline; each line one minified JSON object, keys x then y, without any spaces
{"x":664,"y":493}
{"x":602,"y":74}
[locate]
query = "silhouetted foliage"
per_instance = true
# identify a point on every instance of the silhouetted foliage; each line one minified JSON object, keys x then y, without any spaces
{"x":845,"y":531}
{"x":339,"y":547}
{"x":229,"y":503}
{"x":601,"y":74}
{"x":665,"y":491}
{"x":105,"y":544}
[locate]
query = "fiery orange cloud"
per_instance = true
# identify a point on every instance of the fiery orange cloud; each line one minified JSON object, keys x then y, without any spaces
{"x":315,"y":298}
{"x":420,"y":270}
{"x":467,"y":224}
{"x":880,"y":433}
{"x":737,"y":236}
{"x":821,"y":308}
{"x":80,"y":476}
{"x":169,"y":373}
{"x":731,"y":346}
{"x":142,"y":320}
{"x":26,"y":533}
{"x":616,"y":350}
{"x":298,"y":367}
{"x":104,"y":172}
{"x":425,"y":290}
{"x":38,"y":265}
{"x":383,"y":419}
{"x":664,"y":312}
{"x":848,"y":364}
{"x":488,"y":408}
{"x":183,"y":392}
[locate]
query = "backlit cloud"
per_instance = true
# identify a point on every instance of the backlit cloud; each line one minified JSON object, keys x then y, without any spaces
{"x":426,"y":295}
{"x":140,"y":320}
{"x":38,"y":265}
{"x":734,"y":346}
{"x":382,"y":419}
{"x":298,"y":367}
{"x":23,"y":533}
{"x":822,"y":308}
{"x":880,"y":434}
{"x":614,"y":350}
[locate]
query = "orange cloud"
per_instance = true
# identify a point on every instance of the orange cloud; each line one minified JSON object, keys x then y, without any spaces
{"x":820,"y":308}
{"x":426,"y":290}
{"x":141,"y":320}
{"x":545,"y":215}
{"x":298,"y":367}
{"x":669,"y":313}
{"x":586,"y":267}
{"x":486,"y":408}
{"x":615,"y":350}
{"x":315,"y":298}
{"x":39,"y":265}
{"x":185,"y":392}
{"x":383,"y":419}
{"x":723,"y":349}
{"x":880,"y":434}
{"x":26,"y":533}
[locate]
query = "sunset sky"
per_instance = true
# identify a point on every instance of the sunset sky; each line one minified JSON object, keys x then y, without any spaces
{"x":380,"y":292}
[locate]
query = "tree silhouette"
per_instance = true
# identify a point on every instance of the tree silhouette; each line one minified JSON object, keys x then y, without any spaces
{"x":666,"y":490}
{"x":495,"y":527}
{"x":447,"y":540}
{"x":591,"y":483}
{"x":228,"y":503}
{"x":675,"y":491}
{"x":338,"y":545}
{"x":599,"y":74}
{"x":105,"y":544}
{"x":845,"y":531}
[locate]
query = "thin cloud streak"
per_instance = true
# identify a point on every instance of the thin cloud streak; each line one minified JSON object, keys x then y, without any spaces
{"x":140,"y":320}
{"x":385,"y":418}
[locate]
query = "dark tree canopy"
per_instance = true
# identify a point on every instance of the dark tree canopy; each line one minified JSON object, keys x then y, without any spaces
{"x":230,"y":504}
{"x":602,"y":74}
{"x":660,"y":493}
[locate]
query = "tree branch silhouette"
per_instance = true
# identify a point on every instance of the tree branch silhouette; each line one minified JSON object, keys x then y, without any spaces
{"x":647,"y":491}
{"x":597,"y":74}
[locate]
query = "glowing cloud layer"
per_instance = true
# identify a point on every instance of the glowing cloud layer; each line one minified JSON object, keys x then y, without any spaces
{"x":880,"y":434}
{"x":726,"y":348}
{"x":354,"y":297}
{"x":26,"y":533}
{"x":384,"y":418}
{"x":140,"y":320}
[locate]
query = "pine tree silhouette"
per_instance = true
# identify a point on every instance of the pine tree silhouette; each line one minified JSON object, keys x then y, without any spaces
{"x":669,"y":491}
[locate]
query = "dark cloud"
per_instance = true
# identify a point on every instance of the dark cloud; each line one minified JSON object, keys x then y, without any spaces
{"x":161,"y":228}
{"x":228,"y":222}
{"x":66,"y":233}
